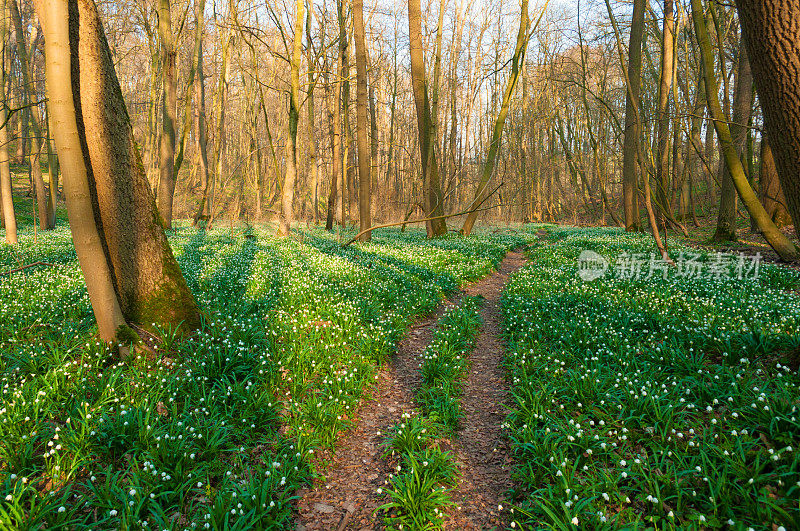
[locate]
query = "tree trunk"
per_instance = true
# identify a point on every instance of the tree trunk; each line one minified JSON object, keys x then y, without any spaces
{"x":488,"y":166}
{"x":362,"y":139}
{"x":287,"y":194}
{"x":664,"y":86}
{"x":52,"y":169}
{"x":771,"y":191}
{"x":775,"y":238}
{"x":742,"y":107}
{"x":127,"y":262}
{"x":431,"y":191}
{"x":630,"y":148}
{"x":9,"y":217}
{"x":166,"y":187}
{"x":312,"y":134}
{"x":33,"y":116}
{"x":771,"y":34}
{"x":200,"y":134}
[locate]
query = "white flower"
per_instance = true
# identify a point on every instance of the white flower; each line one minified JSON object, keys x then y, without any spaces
{"x":113,"y":512}
{"x":62,"y":509}
{"x":575,"y":520}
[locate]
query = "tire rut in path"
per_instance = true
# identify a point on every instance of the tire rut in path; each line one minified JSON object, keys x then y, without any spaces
{"x":348,"y":499}
{"x":481,"y":449}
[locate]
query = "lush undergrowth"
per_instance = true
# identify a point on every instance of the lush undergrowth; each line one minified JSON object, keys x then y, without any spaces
{"x":419,"y":493}
{"x":219,"y":430}
{"x":652,"y":402}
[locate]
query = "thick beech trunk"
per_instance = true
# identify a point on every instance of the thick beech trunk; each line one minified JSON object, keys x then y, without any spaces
{"x":128,"y":264}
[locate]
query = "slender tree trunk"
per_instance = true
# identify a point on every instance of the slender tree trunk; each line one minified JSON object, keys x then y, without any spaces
{"x":630,"y":149}
{"x":9,"y":216}
{"x":166,"y":188}
{"x":220,"y":106}
{"x":432,"y":194}
{"x":128,"y":264}
{"x":57,"y":19}
{"x":488,"y":166}
{"x":313,"y":161}
{"x":362,"y":97}
{"x":742,"y":107}
{"x":335,"y":119}
{"x":200,"y":132}
{"x":52,"y":169}
{"x":664,"y":86}
{"x":287,"y":194}
{"x":33,"y":116}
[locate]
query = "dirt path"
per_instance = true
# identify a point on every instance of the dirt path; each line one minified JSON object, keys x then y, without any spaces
{"x":348,"y":499}
{"x":482,"y":450}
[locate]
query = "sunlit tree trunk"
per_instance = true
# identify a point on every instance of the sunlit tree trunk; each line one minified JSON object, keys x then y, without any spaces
{"x":432,"y":194}
{"x":166,"y":162}
{"x":43,"y":202}
{"x":9,"y":217}
{"x":338,"y":170}
{"x":220,"y":111}
{"x":630,"y":149}
{"x":200,"y":132}
{"x":664,"y":87}
{"x":488,"y":166}
{"x":364,"y":162}
{"x":290,"y":176}
{"x":313,"y":161}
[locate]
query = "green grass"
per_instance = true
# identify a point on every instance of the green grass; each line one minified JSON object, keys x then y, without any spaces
{"x":218,"y":431}
{"x":446,"y":360}
{"x":419,"y":494}
{"x":651,"y":403}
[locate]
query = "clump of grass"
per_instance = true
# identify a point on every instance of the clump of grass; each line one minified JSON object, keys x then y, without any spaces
{"x":419,"y":492}
{"x":445,"y":361}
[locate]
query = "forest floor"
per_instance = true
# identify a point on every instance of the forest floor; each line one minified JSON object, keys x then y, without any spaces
{"x":749,"y":243}
{"x":348,"y":496}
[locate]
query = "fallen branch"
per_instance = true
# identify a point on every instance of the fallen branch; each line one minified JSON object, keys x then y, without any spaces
{"x":26,"y":266}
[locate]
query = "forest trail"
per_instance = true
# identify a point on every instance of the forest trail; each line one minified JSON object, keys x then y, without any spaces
{"x":481,"y":449}
{"x":348,"y":499}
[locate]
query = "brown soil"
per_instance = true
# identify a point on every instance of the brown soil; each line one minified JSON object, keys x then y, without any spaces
{"x":346,"y":498}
